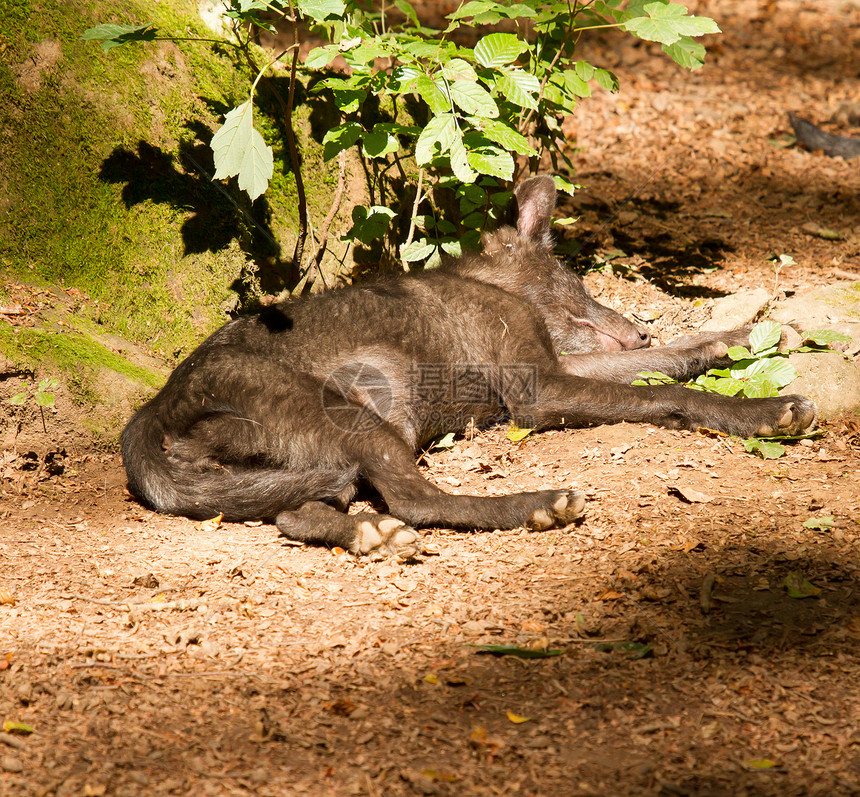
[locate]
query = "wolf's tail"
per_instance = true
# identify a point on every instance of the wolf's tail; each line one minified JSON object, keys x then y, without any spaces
{"x":240,"y":493}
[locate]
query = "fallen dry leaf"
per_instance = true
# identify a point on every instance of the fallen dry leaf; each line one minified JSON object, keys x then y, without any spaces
{"x":211,"y":524}
{"x":691,"y":495}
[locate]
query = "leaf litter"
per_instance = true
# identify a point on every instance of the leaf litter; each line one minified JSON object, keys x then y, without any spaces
{"x":271,"y":668}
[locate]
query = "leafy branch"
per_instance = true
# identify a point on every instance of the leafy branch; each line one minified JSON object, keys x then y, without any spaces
{"x":479,"y":112}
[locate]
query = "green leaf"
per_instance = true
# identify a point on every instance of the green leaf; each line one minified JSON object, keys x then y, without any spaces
{"x":813,"y":435}
{"x":248,"y":5}
{"x":369,"y":224}
{"x":320,"y":57}
{"x":424,"y":49}
{"x":14,"y":726}
{"x":653,"y":378}
{"x":349,"y":100}
{"x":519,"y":87}
{"x":516,"y":10}
{"x":472,"y":8}
{"x":760,"y":763}
{"x":739,"y":353}
{"x":458,"y":69}
{"x":431,"y":93}
{"x":499,"y":49}
{"x":447,"y":441}
{"x":492,"y":161}
{"x":823,"y":523}
{"x":248,"y":12}
{"x":111,"y":35}
{"x":406,"y":74}
{"x":764,"y":449}
{"x":340,"y":138}
{"x":760,"y":387}
{"x":18,"y":399}
{"x":640,"y":650}
{"x":507,"y":137}
{"x":606,"y":80}
{"x":770,"y":373}
{"x":473,"y":221}
{"x":321,"y":9}
{"x":460,"y":160}
{"x":584,"y":70}
{"x":777,"y":370}
{"x":564,"y":185}
{"x":441,"y":130}
{"x":381,"y":141}
{"x":452,"y":247}
{"x":239,"y":149}
{"x":667,"y":23}
{"x":44,"y":393}
{"x":765,"y":335}
{"x":575,"y":84}
{"x":687,"y":53}
{"x":798,"y":587}
{"x":557,"y":92}
{"x":725,"y":386}
{"x":366,"y":52}
{"x":520,"y":653}
{"x":473,"y":99}
{"x":417,"y":250}
{"x":824,"y":337}
{"x":408,"y":11}
{"x":434,"y":261}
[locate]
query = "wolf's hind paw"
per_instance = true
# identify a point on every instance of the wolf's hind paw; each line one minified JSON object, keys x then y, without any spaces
{"x":384,"y":536}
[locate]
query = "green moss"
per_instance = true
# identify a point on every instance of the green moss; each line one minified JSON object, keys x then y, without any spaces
{"x":71,"y":352}
{"x":16,"y":15}
{"x":93,"y":192}
{"x":106,"y":186}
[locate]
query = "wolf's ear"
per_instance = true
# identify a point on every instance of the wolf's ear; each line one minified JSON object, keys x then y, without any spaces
{"x":535,"y":200}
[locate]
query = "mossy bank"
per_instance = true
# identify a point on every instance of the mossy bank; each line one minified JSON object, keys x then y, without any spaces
{"x":105,"y":183}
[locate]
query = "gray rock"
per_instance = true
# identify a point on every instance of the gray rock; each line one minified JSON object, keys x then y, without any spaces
{"x":737,"y":310}
{"x":828,"y":378}
{"x":835,"y":306}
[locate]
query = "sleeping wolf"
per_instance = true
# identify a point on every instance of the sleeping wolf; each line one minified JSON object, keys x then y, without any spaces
{"x":276,"y":415}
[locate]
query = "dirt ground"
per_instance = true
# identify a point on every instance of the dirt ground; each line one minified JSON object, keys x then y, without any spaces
{"x":154,"y":655}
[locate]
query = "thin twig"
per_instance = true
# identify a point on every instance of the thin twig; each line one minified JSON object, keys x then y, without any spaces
{"x":415,"y":205}
{"x":298,"y":252}
{"x":335,"y":206}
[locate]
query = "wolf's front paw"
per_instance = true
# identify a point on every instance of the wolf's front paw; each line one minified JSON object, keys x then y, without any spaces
{"x":564,"y":506}
{"x":792,"y":415}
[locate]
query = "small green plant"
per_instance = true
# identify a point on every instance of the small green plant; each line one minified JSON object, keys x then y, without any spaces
{"x":759,"y":371}
{"x":43,"y":395}
{"x":823,"y":523}
{"x":756,"y":372}
{"x":478,"y":115}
